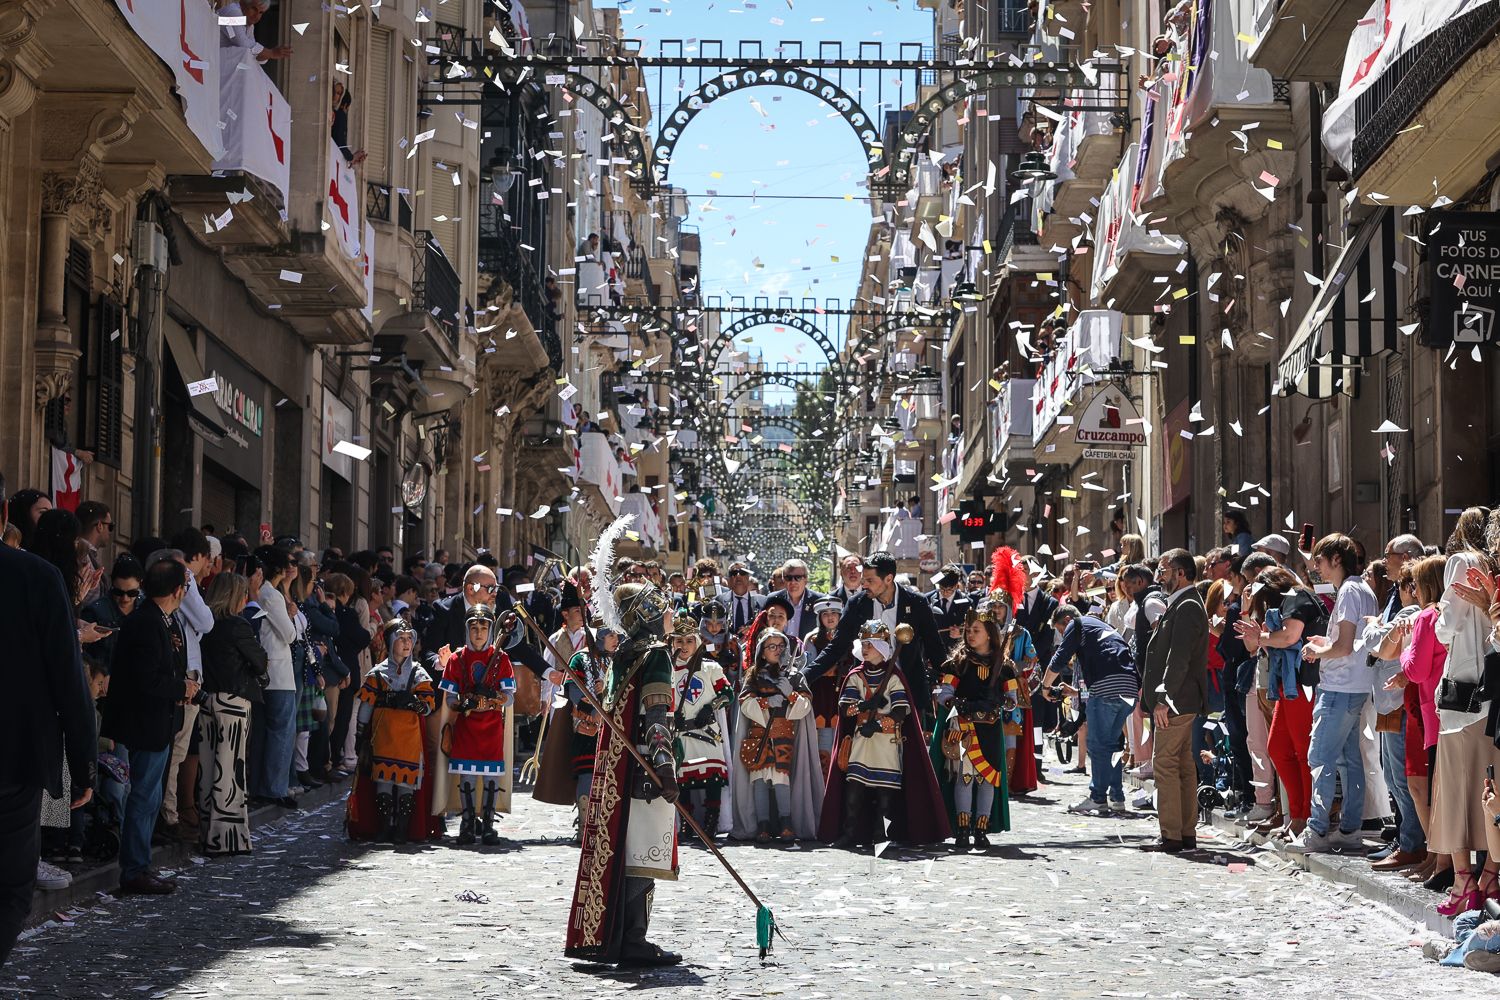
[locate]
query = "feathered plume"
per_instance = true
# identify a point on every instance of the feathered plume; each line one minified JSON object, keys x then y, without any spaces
{"x":602,"y":601}
{"x":1006,"y":574}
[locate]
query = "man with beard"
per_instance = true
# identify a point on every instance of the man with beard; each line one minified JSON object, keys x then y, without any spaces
{"x":629,"y":832}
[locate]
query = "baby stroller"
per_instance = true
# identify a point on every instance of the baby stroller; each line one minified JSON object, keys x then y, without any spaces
{"x":1219,"y":792}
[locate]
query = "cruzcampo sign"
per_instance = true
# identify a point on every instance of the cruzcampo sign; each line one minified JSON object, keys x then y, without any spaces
{"x":1110,"y":420}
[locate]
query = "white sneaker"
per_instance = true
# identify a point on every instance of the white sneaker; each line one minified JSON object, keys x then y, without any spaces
{"x":1117,"y":805}
{"x":1260,"y":814}
{"x":1145,"y":772}
{"x":1310,"y":842}
{"x":51,"y":878}
{"x":1346,"y":841}
{"x":1438,"y":949}
{"x":1088,"y":807}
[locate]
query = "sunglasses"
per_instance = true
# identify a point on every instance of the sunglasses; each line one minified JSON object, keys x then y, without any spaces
{"x":490,"y":588}
{"x":134,"y":595}
{"x":802,"y":577}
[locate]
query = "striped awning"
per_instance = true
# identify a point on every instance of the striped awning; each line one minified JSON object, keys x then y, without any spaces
{"x":1341,"y":328}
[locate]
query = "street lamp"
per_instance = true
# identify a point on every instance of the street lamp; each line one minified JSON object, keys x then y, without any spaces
{"x":1033,"y":168}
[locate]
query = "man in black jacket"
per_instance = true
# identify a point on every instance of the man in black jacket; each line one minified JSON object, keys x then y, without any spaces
{"x":450,"y":625}
{"x":47,"y":711}
{"x":148,"y":685}
{"x":885,"y":599}
{"x":800,"y":596}
{"x":740,"y":603}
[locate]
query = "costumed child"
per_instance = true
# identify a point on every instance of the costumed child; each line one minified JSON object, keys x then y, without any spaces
{"x":723,"y":648}
{"x":826,"y":688}
{"x":872,"y":776}
{"x":480,"y":684}
{"x":777,"y":785}
{"x":700,"y":692}
{"x":396,"y":696}
{"x":978,"y":692}
{"x":588,"y":671}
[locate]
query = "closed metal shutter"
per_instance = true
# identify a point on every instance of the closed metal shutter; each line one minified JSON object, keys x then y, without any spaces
{"x":219,"y":501}
{"x":378,"y":114}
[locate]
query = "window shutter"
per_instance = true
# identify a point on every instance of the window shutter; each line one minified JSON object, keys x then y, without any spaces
{"x":451,"y":13}
{"x":442,"y":200}
{"x":378,"y":117}
{"x":109,"y":385}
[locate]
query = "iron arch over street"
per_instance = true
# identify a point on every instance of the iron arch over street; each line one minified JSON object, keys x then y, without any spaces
{"x":865,"y":128}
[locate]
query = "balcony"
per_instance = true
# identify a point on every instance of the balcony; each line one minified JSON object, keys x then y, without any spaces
{"x":430,"y":328}
{"x":1017,"y":245}
{"x":1092,"y":343}
{"x":1224,"y":141}
{"x":316,"y":279}
{"x":1010,"y":422}
{"x":1133,"y":264}
{"x":1433,"y":96}
{"x":599,"y":475}
{"x":523,"y":320}
{"x":1304,"y":39}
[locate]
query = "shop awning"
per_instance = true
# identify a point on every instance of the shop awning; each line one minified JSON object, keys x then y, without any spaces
{"x":1341,"y":326}
{"x":203,"y":412}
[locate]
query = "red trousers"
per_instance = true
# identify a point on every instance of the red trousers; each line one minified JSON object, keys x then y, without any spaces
{"x":1291,"y":732}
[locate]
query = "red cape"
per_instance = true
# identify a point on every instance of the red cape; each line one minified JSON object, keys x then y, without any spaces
{"x":361,"y":822}
{"x":1025,"y":778}
{"x":921,"y":817}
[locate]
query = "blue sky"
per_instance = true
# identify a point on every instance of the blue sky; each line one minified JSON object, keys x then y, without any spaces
{"x":788,"y":145}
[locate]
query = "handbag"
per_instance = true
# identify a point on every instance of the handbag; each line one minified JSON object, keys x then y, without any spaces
{"x":1389,"y":722}
{"x":1460,"y":696}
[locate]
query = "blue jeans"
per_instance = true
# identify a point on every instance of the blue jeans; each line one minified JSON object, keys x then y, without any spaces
{"x":1409,"y":836}
{"x":1334,"y":748}
{"x":1464,"y":932}
{"x":274,"y":736}
{"x":142,"y":803}
{"x":1106,"y":725}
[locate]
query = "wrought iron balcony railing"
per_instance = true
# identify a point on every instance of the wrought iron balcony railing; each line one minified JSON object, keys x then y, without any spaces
{"x":436,"y":285}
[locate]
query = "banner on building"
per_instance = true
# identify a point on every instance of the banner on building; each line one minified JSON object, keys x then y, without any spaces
{"x":343,"y":201}
{"x":338,"y":425}
{"x":1463,"y":267}
{"x":185,"y":34}
{"x":257,"y":123}
{"x":1110,"y":420}
{"x":67,"y":479}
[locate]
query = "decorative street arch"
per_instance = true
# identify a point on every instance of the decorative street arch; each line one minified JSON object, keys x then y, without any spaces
{"x":792,"y":78}
{"x":769,"y":317}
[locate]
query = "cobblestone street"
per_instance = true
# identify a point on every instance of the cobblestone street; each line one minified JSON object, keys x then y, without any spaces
{"x":1065,"y":907}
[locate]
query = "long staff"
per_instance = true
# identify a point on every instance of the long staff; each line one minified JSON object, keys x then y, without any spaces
{"x":765,"y":922}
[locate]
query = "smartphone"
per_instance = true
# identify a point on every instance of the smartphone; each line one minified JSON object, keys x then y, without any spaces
{"x":1307,"y":541}
{"x":1489,"y":772}
{"x":1087,"y":565}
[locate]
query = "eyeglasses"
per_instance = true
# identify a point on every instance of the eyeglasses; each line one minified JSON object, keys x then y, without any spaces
{"x":739,"y":572}
{"x":134,"y":595}
{"x":775,"y":645}
{"x":790,"y":578}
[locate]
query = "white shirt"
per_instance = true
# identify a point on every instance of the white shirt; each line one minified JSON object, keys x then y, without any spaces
{"x":1155,"y":607}
{"x":277,"y":630}
{"x":1349,"y":674}
{"x":196,"y":621}
{"x":887,"y":614}
{"x":237,"y":36}
{"x":575,"y":643}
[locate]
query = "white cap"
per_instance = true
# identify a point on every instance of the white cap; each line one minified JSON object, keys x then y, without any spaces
{"x":1274,"y":543}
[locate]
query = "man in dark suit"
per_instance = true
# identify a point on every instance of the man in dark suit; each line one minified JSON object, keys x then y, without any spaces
{"x":950,"y":606}
{"x":47,"y":712}
{"x":148,"y":686}
{"x":887,"y":600}
{"x":1174,"y":690}
{"x":800,"y":596}
{"x":851,"y":575}
{"x":450,"y":625}
{"x":741,"y":604}
{"x":535,"y":601}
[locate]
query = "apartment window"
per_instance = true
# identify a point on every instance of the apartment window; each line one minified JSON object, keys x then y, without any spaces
{"x":378,"y":109}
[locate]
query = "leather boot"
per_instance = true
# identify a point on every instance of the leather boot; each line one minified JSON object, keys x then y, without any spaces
{"x":981,"y":830}
{"x":385,"y":808}
{"x":711,"y":821}
{"x":405,"y":803}
{"x":961,"y":835}
{"x":762,"y":833}
{"x":490,"y":837}
{"x":466,"y":827}
{"x":883,"y":826}
{"x":854,"y":800}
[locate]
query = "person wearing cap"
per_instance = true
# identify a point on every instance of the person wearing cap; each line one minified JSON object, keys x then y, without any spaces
{"x":1275,"y":546}
{"x":701,"y":693}
{"x":825,"y":690}
{"x":950,"y":606}
{"x":723,"y":647}
{"x":479,"y":684}
{"x":396,"y":696}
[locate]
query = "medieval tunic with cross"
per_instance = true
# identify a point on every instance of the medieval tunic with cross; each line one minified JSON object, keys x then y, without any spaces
{"x":478,"y":745}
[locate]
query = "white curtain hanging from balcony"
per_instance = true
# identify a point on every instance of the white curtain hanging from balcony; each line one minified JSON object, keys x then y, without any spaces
{"x":186,"y":37}
{"x":1389,"y":30}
